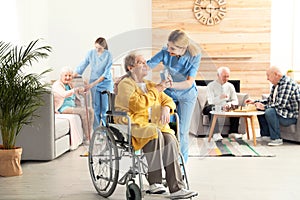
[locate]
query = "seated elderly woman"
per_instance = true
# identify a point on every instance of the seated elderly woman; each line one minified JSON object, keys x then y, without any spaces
{"x":149,"y":109}
{"x":64,"y":101}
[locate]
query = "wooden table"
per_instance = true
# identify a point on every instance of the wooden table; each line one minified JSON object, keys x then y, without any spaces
{"x":244,"y":114}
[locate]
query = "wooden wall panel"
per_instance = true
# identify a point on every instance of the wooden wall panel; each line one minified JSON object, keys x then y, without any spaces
{"x":241,"y":41}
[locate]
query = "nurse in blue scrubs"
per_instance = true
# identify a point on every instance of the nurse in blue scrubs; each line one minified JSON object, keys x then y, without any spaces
{"x":181,"y":59}
{"x":100,"y":61}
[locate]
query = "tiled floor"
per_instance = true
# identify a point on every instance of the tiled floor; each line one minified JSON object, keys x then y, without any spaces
{"x":215,"y":178}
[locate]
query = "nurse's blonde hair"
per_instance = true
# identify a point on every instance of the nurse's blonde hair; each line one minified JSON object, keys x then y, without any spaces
{"x":181,"y":40}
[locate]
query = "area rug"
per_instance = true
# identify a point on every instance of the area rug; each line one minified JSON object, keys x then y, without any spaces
{"x":228,"y":147}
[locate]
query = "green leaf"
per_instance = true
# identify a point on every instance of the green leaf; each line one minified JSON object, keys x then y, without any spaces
{"x":21,"y":94}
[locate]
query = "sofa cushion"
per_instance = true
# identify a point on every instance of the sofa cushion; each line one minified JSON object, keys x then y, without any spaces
{"x":241,"y":98}
{"x":202,"y":95}
{"x":62,"y":127}
{"x":62,"y":145}
{"x":288,"y":129}
{"x":76,"y":131}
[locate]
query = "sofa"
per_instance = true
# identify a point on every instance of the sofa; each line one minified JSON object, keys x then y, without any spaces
{"x":50,"y":135}
{"x":200,"y":123}
{"x":292,"y":132}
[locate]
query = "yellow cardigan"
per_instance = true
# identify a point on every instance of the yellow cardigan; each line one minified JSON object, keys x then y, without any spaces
{"x":135,"y":102}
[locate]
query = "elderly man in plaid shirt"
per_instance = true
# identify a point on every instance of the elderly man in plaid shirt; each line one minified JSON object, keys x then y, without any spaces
{"x":281,"y":107}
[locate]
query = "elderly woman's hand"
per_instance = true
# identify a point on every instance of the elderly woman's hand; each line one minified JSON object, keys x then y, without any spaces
{"x":163,"y":85}
{"x":81,"y":90}
{"x":165,"y":115}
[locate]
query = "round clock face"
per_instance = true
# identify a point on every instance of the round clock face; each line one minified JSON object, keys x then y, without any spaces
{"x":209,"y":12}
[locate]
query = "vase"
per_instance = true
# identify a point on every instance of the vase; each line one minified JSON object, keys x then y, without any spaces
{"x":10,"y":161}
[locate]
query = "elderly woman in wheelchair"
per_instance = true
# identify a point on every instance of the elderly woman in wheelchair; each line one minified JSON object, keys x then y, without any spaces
{"x":149,"y":109}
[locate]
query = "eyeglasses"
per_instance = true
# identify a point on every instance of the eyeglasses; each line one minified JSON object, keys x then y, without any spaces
{"x":139,"y":62}
{"x":174,"y":48}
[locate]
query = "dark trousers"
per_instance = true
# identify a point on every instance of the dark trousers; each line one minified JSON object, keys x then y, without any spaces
{"x":234,"y":121}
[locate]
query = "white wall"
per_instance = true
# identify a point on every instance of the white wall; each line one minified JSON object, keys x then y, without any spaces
{"x":9,"y":29}
{"x":72,"y":26}
{"x":285,"y":34}
{"x":296,"y":36}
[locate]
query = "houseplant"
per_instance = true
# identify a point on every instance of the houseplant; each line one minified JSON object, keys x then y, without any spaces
{"x":21,"y":95}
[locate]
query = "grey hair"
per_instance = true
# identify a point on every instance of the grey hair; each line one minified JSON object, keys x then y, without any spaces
{"x":221,"y":69}
{"x":275,"y":68}
{"x":129,"y":61}
{"x":65,"y":70}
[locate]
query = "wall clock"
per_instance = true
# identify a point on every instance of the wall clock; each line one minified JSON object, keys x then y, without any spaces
{"x":209,"y":12}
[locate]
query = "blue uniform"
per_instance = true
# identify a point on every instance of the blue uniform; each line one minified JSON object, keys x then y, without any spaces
{"x":180,"y":68}
{"x":100,"y":66}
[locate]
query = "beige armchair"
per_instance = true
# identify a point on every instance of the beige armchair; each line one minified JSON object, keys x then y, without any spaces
{"x":200,"y":123}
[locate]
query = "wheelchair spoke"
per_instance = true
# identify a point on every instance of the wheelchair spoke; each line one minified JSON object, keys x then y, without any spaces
{"x":103,"y":162}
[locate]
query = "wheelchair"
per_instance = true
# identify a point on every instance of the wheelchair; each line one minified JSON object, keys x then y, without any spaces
{"x":109,"y":145}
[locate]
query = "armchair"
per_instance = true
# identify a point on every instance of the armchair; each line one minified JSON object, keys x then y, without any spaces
{"x":200,"y":123}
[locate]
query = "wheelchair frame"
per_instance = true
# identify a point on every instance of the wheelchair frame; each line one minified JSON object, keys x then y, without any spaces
{"x":107,"y":147}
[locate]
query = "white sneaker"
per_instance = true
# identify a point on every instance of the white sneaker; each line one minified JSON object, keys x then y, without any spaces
{"x":266,"y":138}
{"x":263,"y":139}
{"x":235,"y":135}
{"x":275,"y":142}
{"x":183,"y":194}
{"x":157,"y":188}
{"x":217,"y":137}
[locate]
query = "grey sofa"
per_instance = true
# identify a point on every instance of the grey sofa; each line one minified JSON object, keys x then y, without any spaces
{"x":292,"y":132}
{"x":200,"y":123}
{"x":48,"y":136}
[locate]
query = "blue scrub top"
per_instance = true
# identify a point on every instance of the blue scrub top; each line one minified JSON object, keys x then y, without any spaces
{"x":100,"y":66}
{"x":179,"y":68}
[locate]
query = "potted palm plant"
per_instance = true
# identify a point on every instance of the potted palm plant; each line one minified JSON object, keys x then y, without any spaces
{"x":20,"y":96}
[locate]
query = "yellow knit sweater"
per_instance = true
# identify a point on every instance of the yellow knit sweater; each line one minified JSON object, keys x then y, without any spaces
{"x":136,"y":103}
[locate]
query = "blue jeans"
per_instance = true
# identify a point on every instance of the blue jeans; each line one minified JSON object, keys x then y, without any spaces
{"x":100,"y":106}
{"x":270,"y":123}
{"x":185,"y":101}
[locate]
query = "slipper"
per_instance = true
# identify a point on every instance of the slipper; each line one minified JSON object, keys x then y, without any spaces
{"x":86,"y":154}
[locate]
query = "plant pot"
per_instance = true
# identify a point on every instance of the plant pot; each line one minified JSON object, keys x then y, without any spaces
{"x":10,"y":160}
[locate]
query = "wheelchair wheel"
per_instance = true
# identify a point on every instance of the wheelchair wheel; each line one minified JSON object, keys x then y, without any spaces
{"x":103,"y":161}
{"x":133,"y":192}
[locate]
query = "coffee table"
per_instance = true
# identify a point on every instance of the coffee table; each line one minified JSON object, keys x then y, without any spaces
{"x":242,"y":114}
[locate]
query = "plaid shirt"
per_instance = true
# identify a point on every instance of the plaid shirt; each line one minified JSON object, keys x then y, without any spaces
{"x":287,"y":98}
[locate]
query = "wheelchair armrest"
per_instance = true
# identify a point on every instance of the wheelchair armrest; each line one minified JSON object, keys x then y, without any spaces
{"x":116,"y":113}
{"x":175,"y":119}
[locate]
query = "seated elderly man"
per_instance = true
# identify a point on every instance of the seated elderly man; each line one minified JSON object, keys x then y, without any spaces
{"x":65,"y":101}
{"x":281,"y":107}
{"x":221,"y":94}
{"x":149,"y":109}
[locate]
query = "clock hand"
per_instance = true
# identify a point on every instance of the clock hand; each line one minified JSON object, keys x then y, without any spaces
{"x":210,"y":9}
